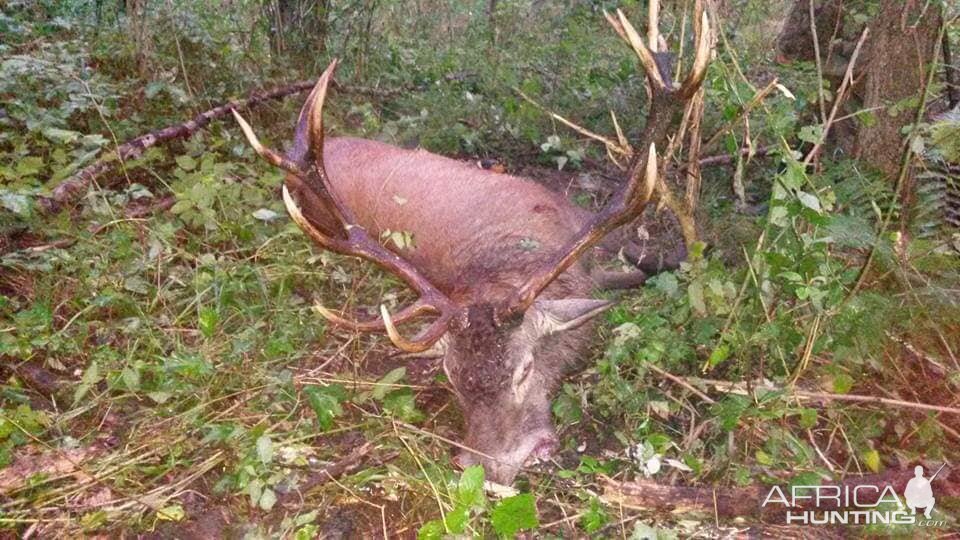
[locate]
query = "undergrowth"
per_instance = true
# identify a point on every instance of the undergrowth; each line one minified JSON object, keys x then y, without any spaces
{"x":163,"y":369}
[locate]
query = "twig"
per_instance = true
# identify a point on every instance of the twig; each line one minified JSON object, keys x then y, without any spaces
{"x":682,"y":383}
{"x":611,"y":145}
{"x":737,"y":388}
{"x":841,"y":93}
{"x":745,"y":110}
{"x":349,"y":463}
{"x":819,"y":62}
{"x":727,"y":159}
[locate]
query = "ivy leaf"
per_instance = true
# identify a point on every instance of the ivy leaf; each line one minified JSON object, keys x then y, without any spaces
{"x":470,"y":488}
{"x":401,"y":404}
{"x":431,"y":530}
{"x":267,"y":499}
{"x":91,"y":376}
{"x":186,"y":163}
{"x":384,"y":385}
{"x":514,"y":514}
{"x":265,"y":449}
{"x":208,"y":319}
{"x":325,"y":402}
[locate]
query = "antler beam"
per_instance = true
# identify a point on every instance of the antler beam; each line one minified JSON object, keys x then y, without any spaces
{"x":351,"y":238}
{"x":666,"y":100}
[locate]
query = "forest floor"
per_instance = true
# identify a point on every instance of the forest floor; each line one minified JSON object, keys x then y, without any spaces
{"x":144,"y":439}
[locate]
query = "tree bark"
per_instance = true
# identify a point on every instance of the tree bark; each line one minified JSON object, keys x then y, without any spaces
{"x":900,"y":51}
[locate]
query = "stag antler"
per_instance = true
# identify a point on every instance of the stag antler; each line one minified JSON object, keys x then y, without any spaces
{"x":348,"y":237}
{"x":628,"y":203}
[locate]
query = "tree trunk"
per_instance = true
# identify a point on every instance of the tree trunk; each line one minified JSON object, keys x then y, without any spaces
{"x":140,"y":29}
{"x":903,"y":38}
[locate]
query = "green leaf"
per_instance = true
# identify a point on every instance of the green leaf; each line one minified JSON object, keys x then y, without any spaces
{"x":431,"y":530}
{"x":174,"y":512}
{"x":208,"y":319}
{"x":61,"y":136}
{"x":16,"y":203}
{"x":267,"y":499}
{"x":665,"y":283}
{"x":384,"y":385}
{"x":470,"y":488}
{"x":265,"y":449}
{"x":401,"y":404}
{"x":456,"y":519}
{"x":695,"y":295}
{"x":719,"y":354}
{"x":809,"y":200}
{"x":871,"y":458}
{"x":808,"y":418}
{"x":842,"y":383}
{"x":594,"y":518}
{"x":186,"y":163}
{"x":91,"y":376}
{"x":810,"y":134}
{"x":567,"y":409}
{"x":137,"y":285}
{"x":325,"y":402}
{"x":131,"y":378}
{"x":159,"y":397}
{"x":514,"y":514}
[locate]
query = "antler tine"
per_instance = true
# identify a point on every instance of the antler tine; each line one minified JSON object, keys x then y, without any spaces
{"x":424,"y":340}
{"x":355,"y":241}
{"x":262,"y":150}
{"x":700,"y":60}
{"x":360,"y":244}
{"x":653,"y":25}
{"x":627,"y":205}
{"x":625,"y":29}
{"x":641,"y":181}
{"x":408,"y":313}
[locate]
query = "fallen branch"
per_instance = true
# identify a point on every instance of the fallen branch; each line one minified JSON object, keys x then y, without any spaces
{"x":823,"y":397}
{"x":728,"y":159}
{"x":75,"y":186}
{"x":351,"y":462}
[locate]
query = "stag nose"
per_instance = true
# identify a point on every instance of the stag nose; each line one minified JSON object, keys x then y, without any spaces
{"x":464,"y":459}
{"x":544,"y":449}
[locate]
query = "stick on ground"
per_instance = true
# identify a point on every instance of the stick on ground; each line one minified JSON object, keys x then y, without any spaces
{"x":72,"y":188}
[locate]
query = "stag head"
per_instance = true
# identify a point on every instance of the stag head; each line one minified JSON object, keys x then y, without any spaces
{"x":504,"y":357}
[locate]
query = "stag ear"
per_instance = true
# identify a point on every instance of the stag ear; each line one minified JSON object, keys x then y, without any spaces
{"x":552,"y":316}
